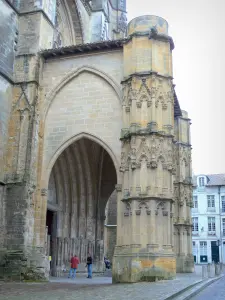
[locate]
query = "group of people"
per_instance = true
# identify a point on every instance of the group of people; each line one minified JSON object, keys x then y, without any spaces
{"x":75,"y":262}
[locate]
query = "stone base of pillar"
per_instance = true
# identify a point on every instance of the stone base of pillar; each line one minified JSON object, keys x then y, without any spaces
{"x":185,"y":263}
{"x":142,"y":266}
{"x":23,"y":265}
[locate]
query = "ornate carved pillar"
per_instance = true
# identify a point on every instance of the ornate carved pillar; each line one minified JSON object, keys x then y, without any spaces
{"x":144,"y":247}
{"x":183,"y":183}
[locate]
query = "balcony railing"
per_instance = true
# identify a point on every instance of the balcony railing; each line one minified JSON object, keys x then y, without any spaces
{"x":195,"y":233}
{"x":211,"y":209}
{"x":211,"y":233}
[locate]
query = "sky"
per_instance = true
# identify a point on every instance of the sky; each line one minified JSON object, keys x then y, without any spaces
{"x":198,"y":30}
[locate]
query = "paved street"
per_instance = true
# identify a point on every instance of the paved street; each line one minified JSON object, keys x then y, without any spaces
{"x":216,"y":291}
{"x":98,"y":288}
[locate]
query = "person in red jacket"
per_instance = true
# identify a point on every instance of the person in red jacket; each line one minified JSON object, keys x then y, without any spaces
{"x":74,"y":265}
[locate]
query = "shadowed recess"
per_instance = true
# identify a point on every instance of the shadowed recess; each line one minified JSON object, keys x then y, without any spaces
{"x":81,"y":182}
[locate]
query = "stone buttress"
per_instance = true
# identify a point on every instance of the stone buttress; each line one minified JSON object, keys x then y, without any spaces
{"x":144,"y":249}
{"x":183,"y":195}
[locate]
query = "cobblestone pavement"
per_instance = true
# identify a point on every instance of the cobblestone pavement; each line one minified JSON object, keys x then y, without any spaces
{"x":216,"y":291}
{"x":96,"y":289}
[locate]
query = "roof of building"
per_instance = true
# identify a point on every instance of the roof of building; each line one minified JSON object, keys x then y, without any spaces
{"x":83,"y":48}
{"x":212,"y":179}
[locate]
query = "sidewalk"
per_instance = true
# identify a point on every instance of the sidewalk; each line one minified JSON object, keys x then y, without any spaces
{"x":97,"y":288}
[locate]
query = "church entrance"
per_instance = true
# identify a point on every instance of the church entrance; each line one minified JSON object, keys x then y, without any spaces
{"x":51,"y":239}
{"x":80,"y":184}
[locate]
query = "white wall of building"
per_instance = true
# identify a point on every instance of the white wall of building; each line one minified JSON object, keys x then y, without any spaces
{"x":204,"y":233}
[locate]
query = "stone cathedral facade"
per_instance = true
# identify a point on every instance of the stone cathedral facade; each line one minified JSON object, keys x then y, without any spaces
{"x":89,"y":112}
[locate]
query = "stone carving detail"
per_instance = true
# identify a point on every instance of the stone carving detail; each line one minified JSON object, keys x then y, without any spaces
{"x":151,"y":151}
{"x":128,"y":211}
{"x":118,"y":187}
{"x":138,"y":212}
{"x":154,"y":94}
{"x":22,"y":103}
{"x":44,"y":192}
{"x":123,"y":162}
{"x":143,"y":206}
{"x":161,"y":206}
{"x":144,"y":95}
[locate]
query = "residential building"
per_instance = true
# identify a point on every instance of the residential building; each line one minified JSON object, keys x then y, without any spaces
{"x":208,"y":218}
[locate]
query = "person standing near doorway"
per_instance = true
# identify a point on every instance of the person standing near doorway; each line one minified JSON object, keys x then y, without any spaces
{"x":74,"y":265}
{"x":89,"y":265}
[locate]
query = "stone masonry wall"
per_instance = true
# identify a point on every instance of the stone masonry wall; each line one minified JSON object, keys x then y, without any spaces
{"x":87,"y":103}
{"x":5,"y":107}
{"x":8,"y":38}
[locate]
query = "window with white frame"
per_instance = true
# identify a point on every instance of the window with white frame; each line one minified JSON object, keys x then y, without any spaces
{"x":203,"y":248}
{"x":195,"y":201}
{"x":211,"y":201}
{"x":223,"y":203}
{"x":223,"y":226}
{"x":195,"y":224}
{"x":211,"y":224}
{"x":201,"y":181}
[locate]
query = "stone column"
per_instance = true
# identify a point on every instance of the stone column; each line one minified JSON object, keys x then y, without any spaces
{"x":183,"y":182}
{"x":143,"y":250}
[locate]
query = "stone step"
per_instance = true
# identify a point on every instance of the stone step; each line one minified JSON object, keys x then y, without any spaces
{"x":108,"y":273}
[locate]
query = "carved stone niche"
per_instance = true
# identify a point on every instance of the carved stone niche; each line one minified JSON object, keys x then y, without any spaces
{"x":44,"y":192}
{"x":165,"y":213}
{"x":144,"y":205}
{"x":127,"y":211}
{"x":138,"y":104}
{"x":118,"y":187}
{"x":138,"y":212}
{"x":181,"y":202}
{"x":153,"y":164}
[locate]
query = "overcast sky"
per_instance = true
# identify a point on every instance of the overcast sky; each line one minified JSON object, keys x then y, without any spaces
{"x":198,"y":30}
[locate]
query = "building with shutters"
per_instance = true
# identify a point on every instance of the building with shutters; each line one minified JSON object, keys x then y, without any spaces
{"x":208,"y":218}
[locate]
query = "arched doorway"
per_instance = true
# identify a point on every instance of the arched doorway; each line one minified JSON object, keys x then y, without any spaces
{"x":80,"y":184}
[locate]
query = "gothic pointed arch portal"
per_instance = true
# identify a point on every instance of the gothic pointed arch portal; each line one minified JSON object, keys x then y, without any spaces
{"x":81,"y":181}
